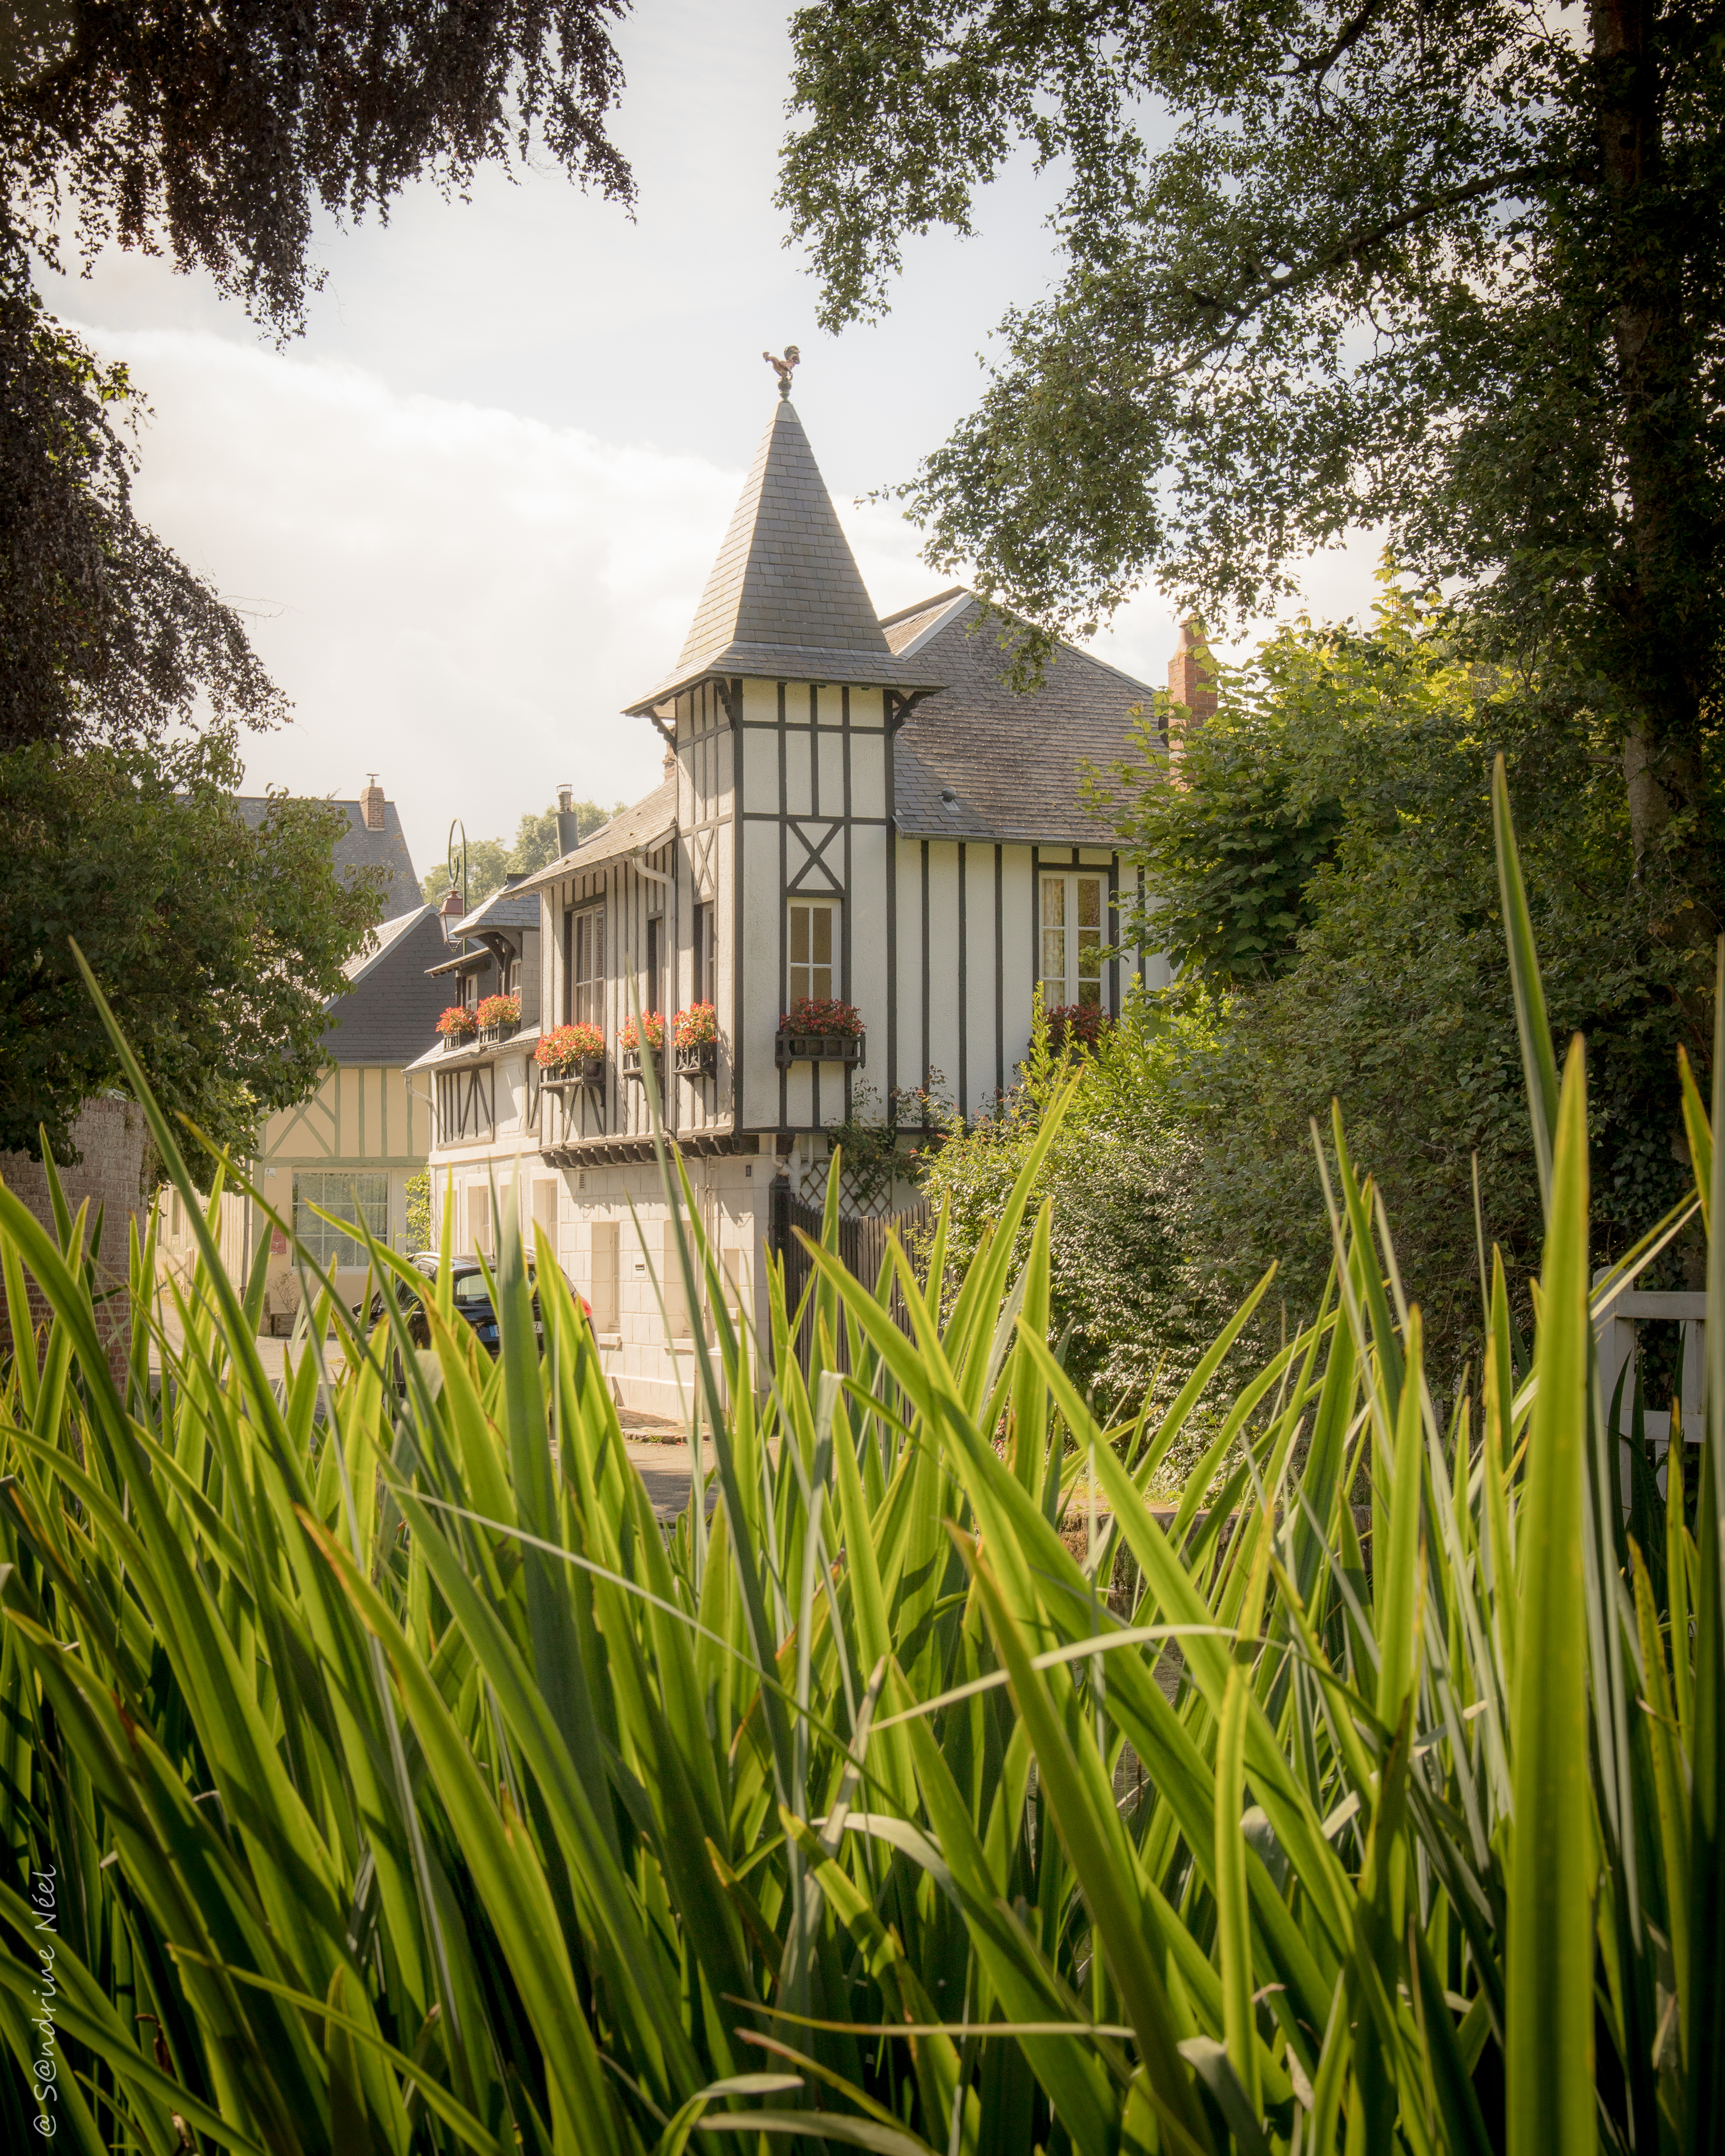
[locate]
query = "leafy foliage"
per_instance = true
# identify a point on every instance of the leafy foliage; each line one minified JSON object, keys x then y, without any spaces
{"x":211,"y":133}
{"x":103,"y":635}
{"x":219,"y":129}
{"x":422,"y":1794}
{"x":1348,"y":945}
{"x":217,"y":945}
{"x":884,"y":1143}
{"x":1449,"y":267}
{"x":417,"y":1190}
{"x":1138,"y":1287}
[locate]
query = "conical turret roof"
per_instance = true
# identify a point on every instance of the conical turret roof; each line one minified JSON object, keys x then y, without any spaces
{"x":785,"y":599}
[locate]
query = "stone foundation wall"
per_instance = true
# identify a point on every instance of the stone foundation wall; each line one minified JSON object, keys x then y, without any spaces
{"x":110,"y":1134}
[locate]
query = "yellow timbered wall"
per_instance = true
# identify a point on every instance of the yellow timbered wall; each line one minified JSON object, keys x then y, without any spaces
{"x":361,"y":1112}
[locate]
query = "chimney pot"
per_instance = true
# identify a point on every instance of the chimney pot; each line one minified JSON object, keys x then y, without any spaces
{"x":566,"y":798}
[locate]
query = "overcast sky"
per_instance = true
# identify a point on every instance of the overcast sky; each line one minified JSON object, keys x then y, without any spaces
{"x":468,"y":514}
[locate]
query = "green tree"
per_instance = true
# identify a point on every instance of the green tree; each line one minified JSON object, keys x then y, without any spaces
{"x":214,"y":135}
{"x":1453,"y":268}
{"x":1138,"y":1287}
{"x":489,"y":860}
{"x":1348,"y":945}
{"x":220,"y":944}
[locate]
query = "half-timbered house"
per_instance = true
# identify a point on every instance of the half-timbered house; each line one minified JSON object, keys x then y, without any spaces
{"x":349,"y":1149}
{"x":855,"y":809}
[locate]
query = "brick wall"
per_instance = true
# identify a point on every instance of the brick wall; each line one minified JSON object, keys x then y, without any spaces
{"x":110,"y":1137}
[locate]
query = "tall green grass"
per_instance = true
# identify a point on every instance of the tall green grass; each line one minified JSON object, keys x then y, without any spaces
{"x":405,"y":1787}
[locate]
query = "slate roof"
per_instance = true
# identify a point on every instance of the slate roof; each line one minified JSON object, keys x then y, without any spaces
{"x":505,"y":908}
{"x":981,"y":761}
{"x":388,"y":1014}
{"x":785,"y":598}
{"x":649,"y":824}
{"x":379,"y":940}
{"x":362,"y":848}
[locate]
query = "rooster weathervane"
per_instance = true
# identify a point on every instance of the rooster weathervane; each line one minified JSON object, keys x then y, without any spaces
{"x":782,"y":367}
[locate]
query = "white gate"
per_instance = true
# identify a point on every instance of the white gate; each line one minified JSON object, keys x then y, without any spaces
{"x":1614,"y":1331}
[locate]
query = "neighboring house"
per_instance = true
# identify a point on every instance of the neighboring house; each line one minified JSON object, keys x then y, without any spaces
{"x":504,"y":931}
{"x":351,"y":1147}
{"x":373,"y":840}
{"x":852,"y":809}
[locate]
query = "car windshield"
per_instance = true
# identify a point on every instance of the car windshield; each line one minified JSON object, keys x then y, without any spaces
{"x":470,"y":1287}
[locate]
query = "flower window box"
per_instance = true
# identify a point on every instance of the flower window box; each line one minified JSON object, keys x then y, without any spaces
{"x":696,"y":1037}
{"x":498,"y":1017}
{"x":571,"y":1057}
{"x":847,"y":1048}
{"x":458,"y":1026}
{"x":823,"y":1031}
{"x":634,"y":1042}
{"x":571,"y":1077}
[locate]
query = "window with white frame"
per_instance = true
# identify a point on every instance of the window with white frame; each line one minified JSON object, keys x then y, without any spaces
{"x":585,"y":953}
{"x":349,"y":1197}
{"x":1074,"y":905}
{"x":814,"y":948}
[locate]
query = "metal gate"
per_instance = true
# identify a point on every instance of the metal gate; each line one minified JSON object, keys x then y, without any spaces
{"x":862,"y":1249}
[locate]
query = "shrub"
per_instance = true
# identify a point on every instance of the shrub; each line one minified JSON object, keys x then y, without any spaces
{"x":1078,"y":1026}
{"x":566,"y":1044}
{"x":418,"y":1197}
{"x":1136,"y":1296}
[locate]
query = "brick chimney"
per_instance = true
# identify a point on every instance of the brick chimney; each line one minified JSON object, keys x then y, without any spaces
{"x":371,"y":803}
{"x":1191,"y":681}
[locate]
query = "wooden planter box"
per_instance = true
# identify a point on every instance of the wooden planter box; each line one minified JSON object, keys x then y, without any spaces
{"x":701,"y":1061}
{"x":789,"y":1048}
{"x":451,"y":1041}
{"x":630,"y":1059}
{"x":567,"y":1077}
{"x":490,"y":1035}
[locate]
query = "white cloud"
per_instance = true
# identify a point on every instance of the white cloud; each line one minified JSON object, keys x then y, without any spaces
{"x":460,"y":598}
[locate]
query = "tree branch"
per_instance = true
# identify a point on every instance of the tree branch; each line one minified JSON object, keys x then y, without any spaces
{"x":1357,"y":243}
{"x":1348,"y":36}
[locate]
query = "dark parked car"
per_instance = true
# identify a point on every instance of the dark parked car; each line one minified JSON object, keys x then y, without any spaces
{"x":473,"y":1302}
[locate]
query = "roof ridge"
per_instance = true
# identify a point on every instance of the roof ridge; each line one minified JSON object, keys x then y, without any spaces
{"x":939,"y":598}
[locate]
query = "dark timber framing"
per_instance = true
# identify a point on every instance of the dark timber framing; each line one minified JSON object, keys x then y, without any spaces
{"x":888,"y":732}
{"x":1035,"y":922}
{"x":784,"y":922}
{"x":963,"y":996}
{"x":733,"y":700}
{"x":999,"y":975}
{"x":926,"y":1065}
{"x":844,"y":903}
